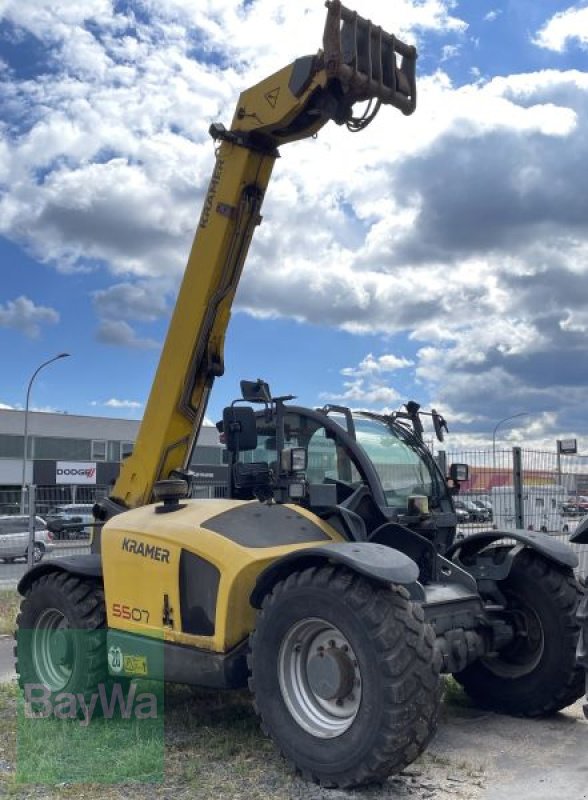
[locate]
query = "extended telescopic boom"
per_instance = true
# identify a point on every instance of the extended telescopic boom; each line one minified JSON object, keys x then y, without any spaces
{"x":359,"y":62}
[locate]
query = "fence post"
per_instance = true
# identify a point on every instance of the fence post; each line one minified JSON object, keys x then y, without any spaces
{"x":441,"y":459}
{"x":517,"y":483}
{"x":32,"y":509}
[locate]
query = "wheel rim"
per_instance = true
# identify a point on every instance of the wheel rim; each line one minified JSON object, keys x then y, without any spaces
{"x":52,"y":649}
{"x":524,"y":653}
{"x":320,"y":678}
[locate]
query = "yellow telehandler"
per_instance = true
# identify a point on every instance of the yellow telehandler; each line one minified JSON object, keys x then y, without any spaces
{"x":330,"y":580}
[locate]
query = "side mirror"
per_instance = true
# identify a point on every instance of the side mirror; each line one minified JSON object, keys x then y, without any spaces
{"x":256,"y":391}
{"x":239,"y":428}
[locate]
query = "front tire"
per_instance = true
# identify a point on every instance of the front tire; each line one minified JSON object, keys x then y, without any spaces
{"x":344,"y":676}
{"x":61,"y":635}
{"x":535,"y":674}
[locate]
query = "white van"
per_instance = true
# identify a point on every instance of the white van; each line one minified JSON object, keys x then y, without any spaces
{"x":542,"y":508}
{"x":14,"y":538}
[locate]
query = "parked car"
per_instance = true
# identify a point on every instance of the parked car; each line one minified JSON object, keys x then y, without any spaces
{"x":572,"y":509}
{"x":71,"y":520}
{"x":485,"y":507}
{"x":475,"y":512}
{"x":461,"y":512}
{"x":14,"y":538}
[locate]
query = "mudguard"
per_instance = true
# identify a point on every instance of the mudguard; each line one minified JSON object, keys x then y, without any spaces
{"x":580,"y":535}
{"x":89,"y":566}
{"x":383,"y":564}
{"x":549,"y":547}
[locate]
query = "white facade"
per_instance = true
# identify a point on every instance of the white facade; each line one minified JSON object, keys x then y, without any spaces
{"x":57,"y":436}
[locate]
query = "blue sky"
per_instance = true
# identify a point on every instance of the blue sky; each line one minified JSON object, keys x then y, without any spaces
{"x":441,"y":257}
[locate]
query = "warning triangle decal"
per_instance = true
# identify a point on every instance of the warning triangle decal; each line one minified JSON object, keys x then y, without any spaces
{"x":272,"y":97}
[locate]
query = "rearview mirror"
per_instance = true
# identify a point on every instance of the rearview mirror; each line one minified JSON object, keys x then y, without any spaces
{"x":239,"y":429}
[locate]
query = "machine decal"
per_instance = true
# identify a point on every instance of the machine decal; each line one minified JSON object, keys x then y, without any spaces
{"x":115,"y":659}
{"x":130,"y":613}
{"x":146,"y":550}
{"x":211,"y":194}
{"x":135,"y":665}
{"x":272,"y":97}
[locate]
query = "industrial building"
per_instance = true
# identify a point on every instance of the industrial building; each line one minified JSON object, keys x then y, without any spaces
{"x":77,"y":457}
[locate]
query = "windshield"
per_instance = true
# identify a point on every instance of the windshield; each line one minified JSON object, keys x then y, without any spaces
{"x":400,"y":467}
{"x":400,"y":464}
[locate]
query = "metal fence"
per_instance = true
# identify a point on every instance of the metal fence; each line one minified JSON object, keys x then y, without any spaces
{"x":506,"y":489}
{"x":523,"y":489}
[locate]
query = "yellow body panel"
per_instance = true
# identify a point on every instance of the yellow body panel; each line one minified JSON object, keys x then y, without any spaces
{"x":136,"y":583}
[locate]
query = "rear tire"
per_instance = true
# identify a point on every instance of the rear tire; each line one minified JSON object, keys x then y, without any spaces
{"x":344,"y":676}
{"x":61,"y":635}
{"x":536,"y":674}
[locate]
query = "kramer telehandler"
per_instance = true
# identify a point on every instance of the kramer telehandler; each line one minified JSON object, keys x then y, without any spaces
{"x":330,"y":580}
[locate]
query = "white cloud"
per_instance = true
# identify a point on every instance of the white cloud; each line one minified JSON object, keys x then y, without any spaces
{"x":114,"y":403}
{"x":440,"y":229}
{"x":23,"y":315}
{"x":371,"y":365}
{"x":359,"y":393}
{"x":6,"y":407}
{"x":564,"y":27}
{"x":121,"y":334}
{"x":493,"y":15}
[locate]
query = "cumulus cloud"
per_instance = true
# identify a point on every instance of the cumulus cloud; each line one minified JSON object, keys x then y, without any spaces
{"x":23,"y":315}
{"x":143,"y":301}
{"x":372,"y":365}
{"x":121,"y":334}
{"x":115,"y":403}
{"x":570,"y":25}
{"x":463,"y":226}
{"x":359,"y":393}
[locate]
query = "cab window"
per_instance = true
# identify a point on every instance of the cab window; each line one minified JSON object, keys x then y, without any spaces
{"x":401,"y":470}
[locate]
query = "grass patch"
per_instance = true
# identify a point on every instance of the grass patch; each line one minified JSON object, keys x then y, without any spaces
{"x":212,"y":747}
{"x":9,"y":605}
{"x":454,"y":694}
{"x":121,"y":740}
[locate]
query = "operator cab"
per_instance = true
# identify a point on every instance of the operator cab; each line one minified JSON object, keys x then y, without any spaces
{"x":359,"y":471}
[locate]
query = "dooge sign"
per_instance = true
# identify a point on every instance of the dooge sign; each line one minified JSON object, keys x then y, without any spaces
{"x":79,"y":472}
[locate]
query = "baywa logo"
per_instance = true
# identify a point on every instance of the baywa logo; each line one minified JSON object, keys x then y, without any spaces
{"x":84,"y":472}
{"x":108,"y":701}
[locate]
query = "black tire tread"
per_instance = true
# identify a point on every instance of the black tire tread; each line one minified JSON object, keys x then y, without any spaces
{"x":87,"y":596}
{"x":408,"y":662}
{"x":568,"y":685}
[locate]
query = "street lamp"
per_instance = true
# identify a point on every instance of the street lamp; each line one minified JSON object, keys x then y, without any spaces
{"x":498,"y":424}
{"x":26,"y":426}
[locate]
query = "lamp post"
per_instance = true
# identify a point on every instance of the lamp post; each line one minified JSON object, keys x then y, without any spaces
{"x":498,"y":424}
{"x":26,"y":427}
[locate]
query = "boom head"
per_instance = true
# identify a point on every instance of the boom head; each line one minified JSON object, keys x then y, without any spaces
{"x":364,"y":59}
